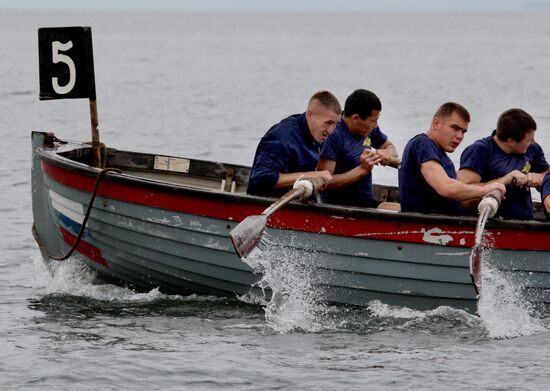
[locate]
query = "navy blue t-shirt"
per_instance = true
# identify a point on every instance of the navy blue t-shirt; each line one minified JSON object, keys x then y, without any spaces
{"x":415,"y":194}
{"x":487,"y":159}
{"x":345,"y":148}
{"x":545,"y":191}
{"x":287,"y":147}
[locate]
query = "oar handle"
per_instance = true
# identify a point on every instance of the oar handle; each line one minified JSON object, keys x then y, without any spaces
{"x":490,"y":203}
{"x":312,"y":186}
{"x":303,"y":188}
{"x":318,"y":184}
{"x":496,"y":194}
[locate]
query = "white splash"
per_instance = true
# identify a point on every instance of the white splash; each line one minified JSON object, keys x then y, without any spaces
{"x":73,"y":277}
{"x":505,"y":313}
{"x":382,"y":310}
{"x":287,"y":280}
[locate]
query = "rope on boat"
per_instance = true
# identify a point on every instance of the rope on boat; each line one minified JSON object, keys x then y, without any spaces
{"x":81,"y":232}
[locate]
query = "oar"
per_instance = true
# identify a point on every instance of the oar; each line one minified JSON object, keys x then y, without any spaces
{"x":487,"y":207}
{"x":247,"y":234}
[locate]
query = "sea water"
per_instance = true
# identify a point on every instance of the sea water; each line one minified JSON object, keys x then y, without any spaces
{"x":208,"y":86}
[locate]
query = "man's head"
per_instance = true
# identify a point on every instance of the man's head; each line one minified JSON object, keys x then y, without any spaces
{"x":361,"y":112}
{"x":449,"y":124}
{"x":322,"y":115}
{"x":516,"y":129}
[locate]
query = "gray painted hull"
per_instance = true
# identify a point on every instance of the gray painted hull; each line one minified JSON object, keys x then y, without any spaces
{"x":179,"y":252}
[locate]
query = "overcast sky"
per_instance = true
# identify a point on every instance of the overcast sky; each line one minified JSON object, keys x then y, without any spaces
{"x":282,"y":5}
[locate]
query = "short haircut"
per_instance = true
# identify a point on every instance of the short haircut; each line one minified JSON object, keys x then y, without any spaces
{"x":326,"y":99}
{"x":361,"y":102}
{"x":514,"y":124}
{"x":447,"y":109}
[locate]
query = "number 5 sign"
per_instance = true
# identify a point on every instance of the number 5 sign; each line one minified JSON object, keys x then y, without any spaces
{"x":66,"y":63}
{"x":67,"y":71}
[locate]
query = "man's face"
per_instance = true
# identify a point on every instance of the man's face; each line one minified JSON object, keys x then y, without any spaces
{"x":322,"y":122}
{"x":363,"y":127}
{"x":450,"y":131}
{"x":520,"y":147}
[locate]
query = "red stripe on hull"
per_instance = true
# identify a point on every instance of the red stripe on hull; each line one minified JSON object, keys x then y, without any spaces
{"x":369,"y":228}
{"x":84,"y":248}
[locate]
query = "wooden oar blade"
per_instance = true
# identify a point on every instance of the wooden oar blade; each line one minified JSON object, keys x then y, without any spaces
{"x":487,"y":207}
{"x":475,"y":267}
{"x":247,"y":234}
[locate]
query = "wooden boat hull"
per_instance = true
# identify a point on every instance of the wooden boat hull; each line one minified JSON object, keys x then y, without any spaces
{"x":150,"y":232}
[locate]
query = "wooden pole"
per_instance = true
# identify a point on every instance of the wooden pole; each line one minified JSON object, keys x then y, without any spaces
{"x":96,"y":145}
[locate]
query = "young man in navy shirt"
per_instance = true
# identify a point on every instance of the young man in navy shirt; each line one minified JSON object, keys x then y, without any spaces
{"x":510,"y":156}
{"x":427,"y":176}
{"x":347,"y":153}
{"x":290,"y":149}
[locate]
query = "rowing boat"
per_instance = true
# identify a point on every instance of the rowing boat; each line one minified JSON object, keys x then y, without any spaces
{"x":164,"y":221}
